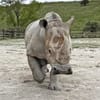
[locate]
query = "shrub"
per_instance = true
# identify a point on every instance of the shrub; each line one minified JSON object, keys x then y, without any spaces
{"x":84,"y":2}
{"x":91,"y":27}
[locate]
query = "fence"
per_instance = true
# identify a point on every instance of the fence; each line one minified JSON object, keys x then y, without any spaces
{"x":11,"y":33}
{"x":81,"y":34}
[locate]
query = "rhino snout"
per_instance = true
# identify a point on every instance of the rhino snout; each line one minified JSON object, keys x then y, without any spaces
{"x":57,"y":70}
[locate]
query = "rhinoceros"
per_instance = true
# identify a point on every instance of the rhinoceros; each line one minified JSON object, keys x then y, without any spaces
{"x":48,"y":41}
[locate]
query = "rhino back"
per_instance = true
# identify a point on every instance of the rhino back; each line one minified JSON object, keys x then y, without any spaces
{"x":34,"y":40}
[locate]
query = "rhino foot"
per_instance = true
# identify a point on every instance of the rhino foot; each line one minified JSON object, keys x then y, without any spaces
{"x":53,"y":87}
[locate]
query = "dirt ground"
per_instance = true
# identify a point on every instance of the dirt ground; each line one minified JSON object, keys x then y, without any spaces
{"x":16,"y":81}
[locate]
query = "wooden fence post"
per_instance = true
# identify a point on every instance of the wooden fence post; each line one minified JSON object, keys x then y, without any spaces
{"x":3,"y":33}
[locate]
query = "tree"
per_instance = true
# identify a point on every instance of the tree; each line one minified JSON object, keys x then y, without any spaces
{"x":7,"y":2}
{"x":84,"y":2}
{"x":13,"y":14}
{"x":12,"y":8}
{"x":29,"y":13}
{"x":91,"y":27}
{"x":19,"y":15}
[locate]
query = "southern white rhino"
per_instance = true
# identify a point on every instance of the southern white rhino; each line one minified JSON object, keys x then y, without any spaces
{"x":48,"y":41}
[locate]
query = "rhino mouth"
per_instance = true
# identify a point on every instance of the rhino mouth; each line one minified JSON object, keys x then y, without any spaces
{"x":61,"y":69}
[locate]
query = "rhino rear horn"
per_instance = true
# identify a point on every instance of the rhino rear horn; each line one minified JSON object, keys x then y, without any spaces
{"x":43,"y":23}
{"x":70,"y":21}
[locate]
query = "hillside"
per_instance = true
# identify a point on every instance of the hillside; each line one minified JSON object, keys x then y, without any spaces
{"x":82,"y":14}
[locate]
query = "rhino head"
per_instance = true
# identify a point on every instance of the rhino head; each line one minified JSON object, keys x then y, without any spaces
{"x":58,"y":43}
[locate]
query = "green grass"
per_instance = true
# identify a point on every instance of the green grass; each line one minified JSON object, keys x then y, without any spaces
{"x":82,"y":14}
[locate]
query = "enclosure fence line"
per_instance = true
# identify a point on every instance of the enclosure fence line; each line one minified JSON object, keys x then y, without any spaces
{"x":11,"y":33}
{"x":20,"y":34}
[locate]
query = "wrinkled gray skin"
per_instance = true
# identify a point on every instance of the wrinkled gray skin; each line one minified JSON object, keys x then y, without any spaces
{"x":42,"y":49}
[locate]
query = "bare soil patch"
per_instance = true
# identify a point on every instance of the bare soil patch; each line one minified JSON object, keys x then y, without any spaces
{"x":16,"y":82}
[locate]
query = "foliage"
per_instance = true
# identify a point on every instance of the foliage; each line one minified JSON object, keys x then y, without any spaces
{"x":29,"y":13}
{"x":8,"y":2}
{"x":13,"y":13}
{"x":91,"y":27}
{"x":18,"y":15}
{"x":84,"y":2}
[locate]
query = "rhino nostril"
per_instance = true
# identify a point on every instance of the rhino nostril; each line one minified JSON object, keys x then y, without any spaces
{"x":69,"y":71}
{"x":54,"y":68}
{"x":55,"y":71}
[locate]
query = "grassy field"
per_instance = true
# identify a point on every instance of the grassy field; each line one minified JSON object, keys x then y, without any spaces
{"x":83,"y":14}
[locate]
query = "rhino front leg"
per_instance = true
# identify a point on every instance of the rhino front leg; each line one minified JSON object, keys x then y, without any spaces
{"x":35,"y":66}
{"x":53,"y":80}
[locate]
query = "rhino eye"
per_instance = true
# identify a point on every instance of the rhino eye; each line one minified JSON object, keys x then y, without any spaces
{"x":50,"y":51}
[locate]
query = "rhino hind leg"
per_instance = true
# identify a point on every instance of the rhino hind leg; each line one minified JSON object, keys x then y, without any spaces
{"x":36,"y":65}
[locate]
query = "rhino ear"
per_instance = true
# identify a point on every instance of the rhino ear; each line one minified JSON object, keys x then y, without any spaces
{"x":70,"y":21}
{"x":43,"y":23}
